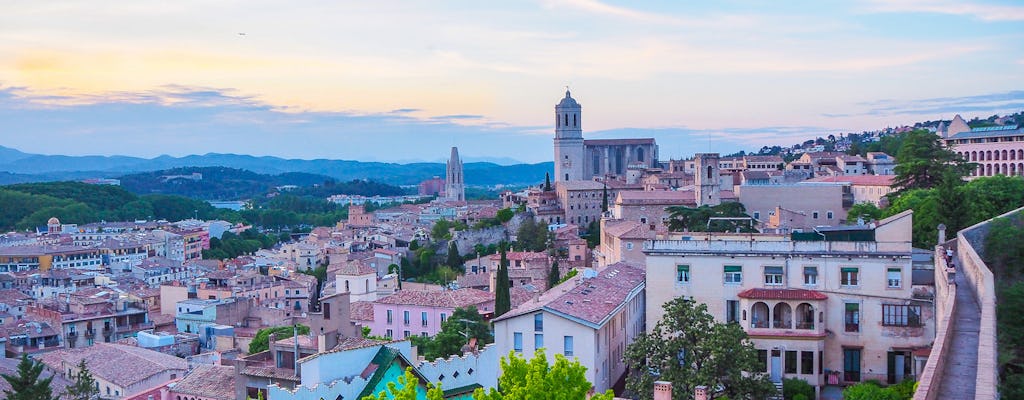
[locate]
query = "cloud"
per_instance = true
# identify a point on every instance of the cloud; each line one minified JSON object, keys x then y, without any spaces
{"x":989,"y":102}
{"x":978,"y":11}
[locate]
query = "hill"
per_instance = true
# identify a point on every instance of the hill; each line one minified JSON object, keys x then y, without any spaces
{"x":222,"y":183}
{"x":26,"y":167}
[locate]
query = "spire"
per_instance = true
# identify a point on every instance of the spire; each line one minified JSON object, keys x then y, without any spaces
{"x":455,"y":187}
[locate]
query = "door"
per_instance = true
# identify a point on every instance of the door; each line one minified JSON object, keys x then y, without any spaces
{"x":776,"y":373}
{"x":900,"y":366}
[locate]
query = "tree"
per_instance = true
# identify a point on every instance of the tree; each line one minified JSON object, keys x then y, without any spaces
{"x":923,"y":161}
{"x":688,"y":348}
{"x":407,"y":387}
{"x":532,"y":236}
{"x":554,"y":275}
{"x":950,"y":206}
{"x":699,"y":219}
{"x":464,"y":323}
{"x":261,"y":342}
{"x":453,"y":260}
{"x":535,"y":379}
{"x":503,"y":299}
{"x":440,"y":231}
{"x":604,"y":198}
{"x":84,"y":387}
{"x":26,"y":385}
{"x":547,"y":182}
{"x":865,"y":210}
{"x":926,"y":219}
{"x":504,"y":215}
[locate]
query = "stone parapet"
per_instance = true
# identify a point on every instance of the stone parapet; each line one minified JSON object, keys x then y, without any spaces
{"x":945,"y":303}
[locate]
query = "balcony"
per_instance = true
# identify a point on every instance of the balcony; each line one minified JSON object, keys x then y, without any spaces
{"x":134,"y":327}
{"x":71,"y":335}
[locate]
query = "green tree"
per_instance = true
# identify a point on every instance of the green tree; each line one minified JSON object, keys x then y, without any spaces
{"x":547,"y":182}
{"x":869,"y":391}
{"x":699,"y":219}
{"x":84,"y":387}
{"x":1004,"y":254}
{"x":604,"y":199}
{"x":463,"y":324}
{"x":865,"y":210}
{"x":950,"y":207}
{"x":688,"y":348}
{"x":441,"y":230}
{"x":261,"y":342}
{"x":504,"y":215}
{"x":532,"y":236}
{"x":407,"y":388}
{"x":503,"y":299}
{"x":554,"y":275}
{"x":453,"y":260}
{"x":926,"y":217}
{"x":991,"y":196}
{"x":27,"y":385}
{"x":923,"y":161}
{"x":535,"y":379}
{"x":793,"y":387}
{"x":593,"y":234}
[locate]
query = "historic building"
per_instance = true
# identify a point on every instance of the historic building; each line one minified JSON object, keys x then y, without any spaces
{"x":996,"y":150}
{"x":454,"y":184}
{"x":578,"y":159}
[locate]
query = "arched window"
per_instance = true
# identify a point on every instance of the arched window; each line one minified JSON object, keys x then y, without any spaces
{"x":1013,"y":155}
{"x":759,"y":315}
{"x":574,"y":120}
{"x":346,"y":286}
{"x":988,"y":155}
{"x":366,"y":283}
{"x":782,"y":316}
{"x":804,"y":316}
{"x":1004,"y":154}
{"x":1020,"y":154}
{"x":988,"y":170}
{"x":709,"y":172}
{"x":974,"y":156}
{"x":566,"y":119}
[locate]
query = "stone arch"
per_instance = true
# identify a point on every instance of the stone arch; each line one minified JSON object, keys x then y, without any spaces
{"x":759,"y":315}
{"x":804,"y":316}
{"x":782,"y":316}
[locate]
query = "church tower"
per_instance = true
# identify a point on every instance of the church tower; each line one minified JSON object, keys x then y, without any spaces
{"x":568,"y":140}
{"x":454,"y":185}
{"x":707,"y":181}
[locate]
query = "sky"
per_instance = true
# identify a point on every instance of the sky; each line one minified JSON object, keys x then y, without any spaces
{"x":403,"y":81}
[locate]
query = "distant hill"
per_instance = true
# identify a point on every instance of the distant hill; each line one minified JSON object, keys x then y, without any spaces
{"x":223,"y":183}
{"x":25,"y":167}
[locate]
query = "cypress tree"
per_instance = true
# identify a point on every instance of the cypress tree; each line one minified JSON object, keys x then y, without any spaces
{"x":554,"y":275}
{"x":604,"y":199}
{"x":547,"y":182}
{"x":453,"y":261}
{"x":503,"y":300}
{"x":26,"y":385}
{"x":84,"y":387}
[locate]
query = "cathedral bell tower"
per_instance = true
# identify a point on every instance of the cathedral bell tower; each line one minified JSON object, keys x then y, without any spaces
{"x":568,"y":140}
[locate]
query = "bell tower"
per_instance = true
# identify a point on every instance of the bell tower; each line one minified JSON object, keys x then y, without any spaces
{"x":707,"y":181}
{"x":568,"y":140}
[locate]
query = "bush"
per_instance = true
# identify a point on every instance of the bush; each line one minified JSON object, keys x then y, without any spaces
{"x":793,"y":387}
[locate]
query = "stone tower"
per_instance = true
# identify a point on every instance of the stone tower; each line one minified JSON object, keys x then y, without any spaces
{"x":454,"y":184}
{"x":707,"y":179}
{"x":568,"y":140}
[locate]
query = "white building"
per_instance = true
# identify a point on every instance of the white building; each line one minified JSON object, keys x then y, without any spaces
{"x":831,"y":306}
{"x":591,"y":319}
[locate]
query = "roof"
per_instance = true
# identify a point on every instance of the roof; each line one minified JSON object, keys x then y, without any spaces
{"x":209,"y":381}
{"x":782,"y":294}
{"x":361,"y":311}
{"x":9,"y":366}
{"x":568,"y":101}
{"x":589,"y":301}
{"x":448,"y":298}
{"x":858,"y":180}
{"x":990,"y":131}
{"x":669,"y":197}
{"x":617,"y":142}
{"x":110,"y":361}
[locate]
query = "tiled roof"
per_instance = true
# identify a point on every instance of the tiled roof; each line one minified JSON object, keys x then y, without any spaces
{"x":9,"y":366}
{"x":782,"y":294}
{"x":209,"y":381}
{"x":122,"y":365}
{"x":361,"y":310}
{"x":590,"y":300}
{"x":858,"y":180}
{"x":667,"y":197}
{"x":448,"y":298}
{"x":617,"y":142}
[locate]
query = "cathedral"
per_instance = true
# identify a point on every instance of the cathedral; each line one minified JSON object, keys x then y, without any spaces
{"x":454,"y":185}
{"x":577,"y":159}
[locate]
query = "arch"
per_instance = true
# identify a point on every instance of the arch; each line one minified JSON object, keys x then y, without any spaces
{"x":346,"y":286}
{"x":366,"y":284}
{"x":804,"y":316}
{"x":1004,"y":154}
{"x":974,"y":156}
{"x":988,"y":155}
{"x":710,"y":170}
{"x":1013,"y":169}
{"x":988,"y":170}
{"x":1020,"y":168}
{"x":566,"y":119}
{"x":759,"y":315}
{"x":1020,"y":154}
{"x":782,"y":316}
{"x":1013,"y":155}
{"x":574,"y":120}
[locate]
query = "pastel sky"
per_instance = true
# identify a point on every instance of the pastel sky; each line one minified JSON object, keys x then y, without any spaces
{"x":393,"y":81}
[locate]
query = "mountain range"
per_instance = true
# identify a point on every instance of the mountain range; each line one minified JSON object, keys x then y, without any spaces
{"x":19,"y":167}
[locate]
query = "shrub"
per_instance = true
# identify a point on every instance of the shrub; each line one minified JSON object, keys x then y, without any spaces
{"x":793,"y":387}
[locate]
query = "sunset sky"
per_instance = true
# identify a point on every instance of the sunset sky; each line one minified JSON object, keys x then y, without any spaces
{"x":399,"y":81}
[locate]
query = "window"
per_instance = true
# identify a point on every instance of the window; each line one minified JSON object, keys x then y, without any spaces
{"x":629,"y":246}
{"x":849,"y":276}
{"x":326,"y":308}
{"x":517,"y":342}
{"x":814,"y":215}
{"x":852,"y":317}
{"x":405,"y":334}
{"x":423,"y":334}
{"x":828,"y":215}
{"x":901,"y":315}
{"x":757,"y":215}
{"x":538,"y":322}
{"x":405,"y":317}
{"x":851,"y":365}
{"x":773,"y":276}
{"x":810,"y":275}
{"x":682,"y":274}
{"x":894,"y":278}
{"x":806,"y":362}
{"x":391,"y":317}
{"x":423,"y":318}
{"x":444,"y":317}
{"x":790,"y":361}
{"x":762,"y":358}
{"x":732,"y":311}
{"x":389,"y":334}
{"x":538,"y":341}
{"x":567,"y":346}
{"x":733,"y":274}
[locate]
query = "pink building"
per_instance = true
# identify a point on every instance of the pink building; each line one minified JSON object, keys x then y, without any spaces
{"x":414,"y":312}
{"x":997,"y":150}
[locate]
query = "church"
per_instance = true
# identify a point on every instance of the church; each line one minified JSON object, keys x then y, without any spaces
{"x":577,"y":159}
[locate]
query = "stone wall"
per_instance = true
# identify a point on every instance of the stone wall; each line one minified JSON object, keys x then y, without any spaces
{"x":465,"y":240}
{"x":945,"y":305}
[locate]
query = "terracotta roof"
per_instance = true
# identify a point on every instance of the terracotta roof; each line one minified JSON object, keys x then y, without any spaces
{"x":213,"y":382}
{"x":665,"y":197}
{"x":361,"y":311}
{"x":109,"y":361}
{"x":782,"y":294}
{"x":448,"y":298}
{"x":858,"y":180}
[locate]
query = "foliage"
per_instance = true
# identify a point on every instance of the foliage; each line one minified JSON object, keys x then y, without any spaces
{"x":991,"y":196}
{"x":532,"y":236}
{"x":699,"y":219}
{"x":407,"y":388}
{"x":547,"y":182}
{"x":503,"y":299}
{"x":504,"y":215}
{"x":1005,"y":257}
{"x":441,"y":230}
{"x":231,"y":245}
{"x":535,"y":379}
{"x":453,"y":260}
{"x":604,"y":198}
{"x":688,"y":348}
{"x":869,"y":390}
{"x":553,"y":275}
{"x":568,"y":275}
{"x":84,"y":387}
{"x":926,"y":219}
{"x":1003,"y":252}
{"x":261,"y":342}
{"x":452,"y":336}
{"x":950,"y":206}
{"x":868,"y":211}
{"x":593,"y":234}
{"x":26,"y":384}
{"x":793,"y":387}
{"x":923,"y":161}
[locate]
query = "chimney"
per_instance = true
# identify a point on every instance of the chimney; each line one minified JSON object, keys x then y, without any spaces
{"x":700,"y":393}
{"x":662,"y":390}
